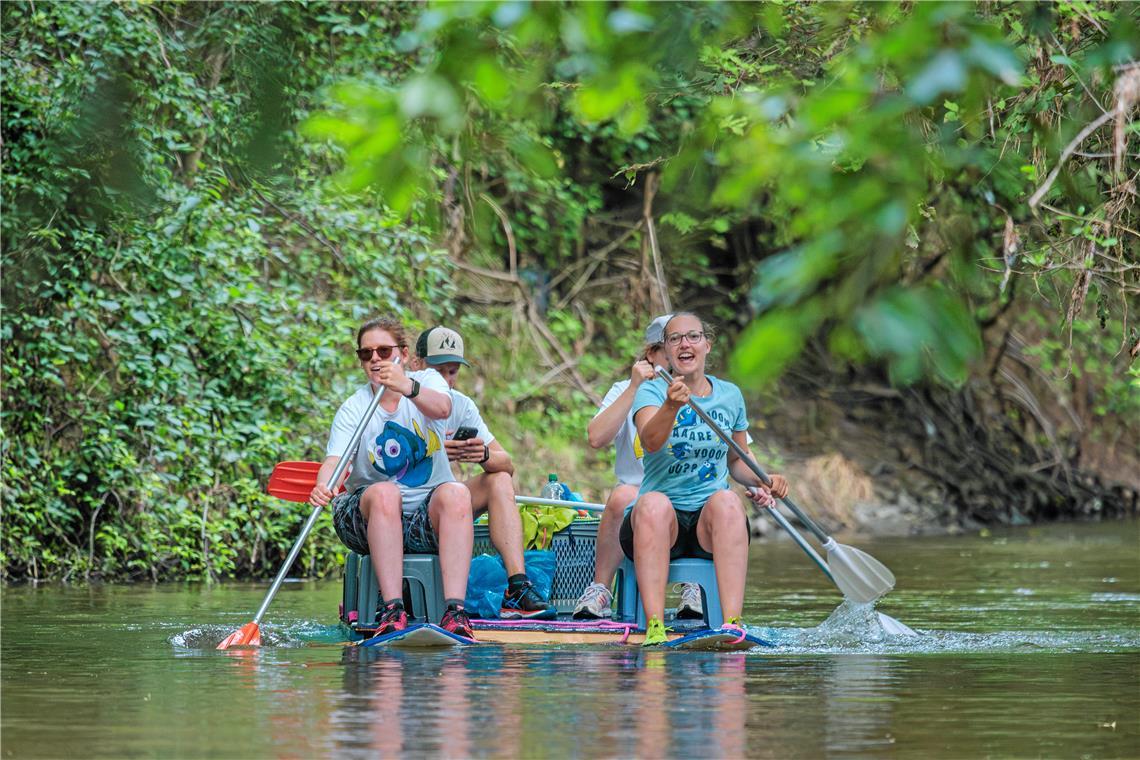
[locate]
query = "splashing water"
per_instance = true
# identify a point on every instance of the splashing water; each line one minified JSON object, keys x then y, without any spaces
{"x":859,"y":629}
{"x":858,"y":622}
{"x":299,"y":634}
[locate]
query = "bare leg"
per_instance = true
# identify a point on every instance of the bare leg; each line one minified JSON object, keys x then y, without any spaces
{"x":654,"y":532}
{"x":386,"y":700}
{"x":608,"y":554}
{"x":450,"y":515}
{"x":495,"y":492}
{"x":723,"y":532}
{"x":381,"y":507}
{"x":654,"y":699}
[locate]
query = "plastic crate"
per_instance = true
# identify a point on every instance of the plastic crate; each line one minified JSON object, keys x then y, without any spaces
{"x":573,"y":548}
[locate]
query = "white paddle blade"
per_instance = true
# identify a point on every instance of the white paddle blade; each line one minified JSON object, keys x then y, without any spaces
{"x":894,"y":627}
{"x":860,"y":577}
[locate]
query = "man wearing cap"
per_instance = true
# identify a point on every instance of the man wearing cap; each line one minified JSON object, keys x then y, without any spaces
{"x":613,"y":423}
{"x":441,"y":349}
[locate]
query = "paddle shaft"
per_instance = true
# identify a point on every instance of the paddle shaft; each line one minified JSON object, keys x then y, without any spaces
{"x":801,"y":542}
{"x":749,"y":461}
{"x":890,"y":625}
{"x":522,"y":500}
{"x":345,"y":459}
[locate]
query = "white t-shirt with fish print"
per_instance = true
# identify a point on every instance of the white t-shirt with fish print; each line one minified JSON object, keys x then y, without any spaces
{"x":404,"y":446}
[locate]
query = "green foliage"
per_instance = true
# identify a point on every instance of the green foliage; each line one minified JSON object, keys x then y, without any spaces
{"x":181,"y":280}
{"x":886,"y":142}
{"x":177,"y":324}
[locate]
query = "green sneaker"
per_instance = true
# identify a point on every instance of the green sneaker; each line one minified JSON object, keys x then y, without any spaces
{"x":735,"y":621}
{"x":654,"y":633}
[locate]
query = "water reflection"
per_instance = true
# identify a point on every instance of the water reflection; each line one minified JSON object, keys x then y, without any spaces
{"x":689,"y":704}
{"x":859,"y":695}
{"x":527,"y":702}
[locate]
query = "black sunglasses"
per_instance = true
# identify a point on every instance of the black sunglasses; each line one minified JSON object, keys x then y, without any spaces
{"x":385,"y":352}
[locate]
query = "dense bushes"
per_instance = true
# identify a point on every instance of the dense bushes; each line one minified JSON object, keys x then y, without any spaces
{"x":181,"y":281}
{"x":174,"y":321}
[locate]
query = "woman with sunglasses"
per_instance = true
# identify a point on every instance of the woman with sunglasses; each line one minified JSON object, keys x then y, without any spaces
{"x":684,"y":507}
{"x":400,"y":494}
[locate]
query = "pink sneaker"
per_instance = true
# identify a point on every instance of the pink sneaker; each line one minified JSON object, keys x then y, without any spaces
{"x":455,"y":621}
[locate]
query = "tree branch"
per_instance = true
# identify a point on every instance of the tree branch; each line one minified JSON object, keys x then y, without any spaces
{"x":1068,"y":151}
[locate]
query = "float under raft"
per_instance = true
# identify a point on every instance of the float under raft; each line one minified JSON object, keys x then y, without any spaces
{"x":562,"y":632}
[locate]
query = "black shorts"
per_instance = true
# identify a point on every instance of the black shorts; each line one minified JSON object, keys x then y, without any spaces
{"x":686,"y":544}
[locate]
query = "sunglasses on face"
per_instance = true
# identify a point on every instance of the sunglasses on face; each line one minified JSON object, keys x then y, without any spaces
{"x":693,"y":336}
{"x":385,"y":352}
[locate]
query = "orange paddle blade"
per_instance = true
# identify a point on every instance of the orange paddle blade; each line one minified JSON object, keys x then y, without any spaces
{"x":249,"y":635}
{"x":293,"y":481}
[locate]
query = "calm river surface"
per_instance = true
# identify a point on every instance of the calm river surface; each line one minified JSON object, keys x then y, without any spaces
{"x":1031,"y":648}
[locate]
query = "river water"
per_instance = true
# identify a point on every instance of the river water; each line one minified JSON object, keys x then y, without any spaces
{"x":1030,"y":647}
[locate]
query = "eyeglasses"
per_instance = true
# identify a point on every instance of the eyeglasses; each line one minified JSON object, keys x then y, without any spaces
{"x":385,"y":352}
{"x":693,"y":336}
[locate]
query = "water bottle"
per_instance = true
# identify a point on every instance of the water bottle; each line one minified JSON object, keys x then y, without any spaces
{"x":553,"y":489}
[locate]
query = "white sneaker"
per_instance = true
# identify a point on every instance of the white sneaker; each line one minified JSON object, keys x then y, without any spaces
{"x":594,"y":603}
{"x":691,"y":607}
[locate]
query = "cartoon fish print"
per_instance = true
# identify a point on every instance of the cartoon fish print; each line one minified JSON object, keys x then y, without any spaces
{"x":404,"y":456}
{"x":686,"y":417}
{"x":707,"y":472}
{"x":431,"y":438}
{"x":679,"y":450}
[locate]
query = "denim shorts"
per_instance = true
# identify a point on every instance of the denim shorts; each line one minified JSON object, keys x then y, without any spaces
{"x":351,"y":527}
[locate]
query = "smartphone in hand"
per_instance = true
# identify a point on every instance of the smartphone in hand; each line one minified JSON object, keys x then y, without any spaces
{"x":464,"y":433}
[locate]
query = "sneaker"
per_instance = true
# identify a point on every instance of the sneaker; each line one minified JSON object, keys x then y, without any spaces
{"x":655,"y":633}
{"x":735,"y":624}
{"x":691,"y":607}
{"x":522,"y":602}
{"x":455,"y":621}
{"x":393,"y":618}
{"x":594,"y":603}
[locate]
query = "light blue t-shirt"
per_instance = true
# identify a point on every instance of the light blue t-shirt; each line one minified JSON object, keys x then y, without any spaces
{"x":693,"y":463}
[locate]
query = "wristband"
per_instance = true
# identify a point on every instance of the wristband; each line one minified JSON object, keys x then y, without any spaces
{"x":415,"y":389}
{"x":486,"y":454}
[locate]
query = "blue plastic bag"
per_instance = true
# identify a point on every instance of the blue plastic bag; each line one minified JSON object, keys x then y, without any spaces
{"x":488,"y":581}
{"x":540,"y":568}
{"x":485,"y":587}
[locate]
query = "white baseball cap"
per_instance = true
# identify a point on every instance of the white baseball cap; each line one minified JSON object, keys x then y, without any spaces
{"x":440,"y":345}
{"x":655,"y":333}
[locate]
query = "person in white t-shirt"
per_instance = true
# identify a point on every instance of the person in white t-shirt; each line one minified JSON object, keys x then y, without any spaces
{"x":613,"y":423}
{"x":400,"y":493}
{"x":441,"y":349}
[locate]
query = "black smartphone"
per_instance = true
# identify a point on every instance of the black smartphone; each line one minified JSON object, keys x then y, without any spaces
{"x":464,"y":432}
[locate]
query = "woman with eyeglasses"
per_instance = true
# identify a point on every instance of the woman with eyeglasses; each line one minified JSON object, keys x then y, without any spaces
{"x":684,"y":507}
{"x":400,"y":494}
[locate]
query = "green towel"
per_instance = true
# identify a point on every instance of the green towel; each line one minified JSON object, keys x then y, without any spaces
{"x":539,"y":524}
